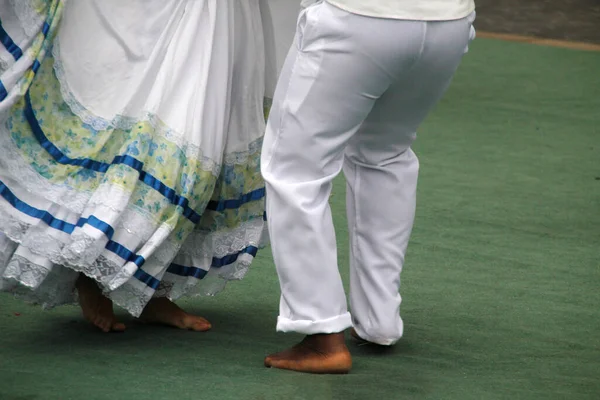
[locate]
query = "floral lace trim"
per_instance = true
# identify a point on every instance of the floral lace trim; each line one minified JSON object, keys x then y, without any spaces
{"x":132,"y":298}
{"x":81,"y":253}
{"x":126,"y":123}
{"x":224,"y":242}
{"x":29,"y":18}
{"x":175,"y":287}
{"x":6,"y":60}
{"x":21,"y":275}
{"x":81,"y":250}
{"x":13,"y":165}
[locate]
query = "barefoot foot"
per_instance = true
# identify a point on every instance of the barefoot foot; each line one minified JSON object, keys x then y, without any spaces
{"x":164,"y":312}
{"x":96,"y":308}
{"x":317,"y":354}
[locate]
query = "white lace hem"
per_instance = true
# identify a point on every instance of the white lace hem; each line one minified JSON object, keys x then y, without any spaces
{"x":33,"y":268}
{"x":29,"y":18}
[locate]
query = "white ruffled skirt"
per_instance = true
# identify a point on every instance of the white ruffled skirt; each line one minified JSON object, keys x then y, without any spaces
{"x":130,"y":134}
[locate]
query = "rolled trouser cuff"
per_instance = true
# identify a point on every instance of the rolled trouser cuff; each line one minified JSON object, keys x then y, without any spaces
{"x":307,"y":327}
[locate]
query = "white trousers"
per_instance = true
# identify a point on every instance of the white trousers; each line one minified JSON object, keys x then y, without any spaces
{"x":352,"y":93}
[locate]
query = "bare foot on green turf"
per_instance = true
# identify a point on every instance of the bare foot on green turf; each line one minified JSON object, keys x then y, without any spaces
{"x":316,"y":354}
{"x":164,"y":312}
{"x":96,"y":308}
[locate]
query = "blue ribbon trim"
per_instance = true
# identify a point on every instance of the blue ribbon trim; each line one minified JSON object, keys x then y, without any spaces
{"x":115,"y":247}
{"x":136,"y":164}
{"x":9,"y":44}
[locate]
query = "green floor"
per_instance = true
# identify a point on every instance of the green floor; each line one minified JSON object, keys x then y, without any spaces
{"x":501,"y":285}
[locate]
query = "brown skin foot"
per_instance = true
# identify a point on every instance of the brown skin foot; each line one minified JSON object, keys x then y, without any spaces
{"x":164,"y":312}
{"x":96,"y":308}
{"x":316,"y":354}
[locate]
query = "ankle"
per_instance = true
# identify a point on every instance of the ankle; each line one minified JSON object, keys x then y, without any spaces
{"x":333,"y":342}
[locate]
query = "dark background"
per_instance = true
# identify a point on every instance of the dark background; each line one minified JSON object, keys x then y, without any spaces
{"x":576,"y":20}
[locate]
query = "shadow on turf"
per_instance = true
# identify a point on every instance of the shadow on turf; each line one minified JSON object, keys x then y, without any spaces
{"x":25,"y":397}
{"x":234,"y":331}
{"x":73,"y":331}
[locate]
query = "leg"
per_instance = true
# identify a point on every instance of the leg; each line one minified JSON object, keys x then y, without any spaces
{"x":381,"y":171}
{"x":381,"y":197}
{"x":327,"y":89}
{"x":96,"y":308}
{"x":163,"y":311}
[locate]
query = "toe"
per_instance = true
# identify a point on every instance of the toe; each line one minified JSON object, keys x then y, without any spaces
{"x":103,"y":325}
{"x":284,"y":364}
{"x":195,"y":323}
{"x":118,"y":327}
{"x":268,"y":362}
{"x":201,"y":326}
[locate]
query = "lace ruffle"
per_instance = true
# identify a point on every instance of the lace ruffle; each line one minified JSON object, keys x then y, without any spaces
{"x":21,"y":275}
{"x":30,"y":22}
{"x":29,"y":18}
{"x":52,"y":284}
{"x":5,"y":61}
{"x":13,"y":165}
{"x":41,"y":264}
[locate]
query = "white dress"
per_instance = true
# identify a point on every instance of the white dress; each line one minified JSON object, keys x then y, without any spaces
{"x":130,"y":134}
